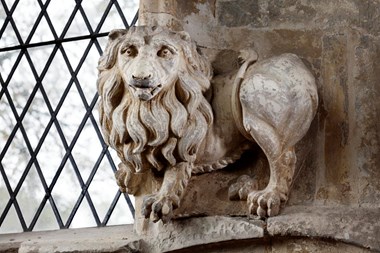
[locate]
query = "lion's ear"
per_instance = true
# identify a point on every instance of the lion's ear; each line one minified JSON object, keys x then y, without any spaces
{"x":116,"y":33}
{"x":184,"y":35}
{"x":108,"y":59}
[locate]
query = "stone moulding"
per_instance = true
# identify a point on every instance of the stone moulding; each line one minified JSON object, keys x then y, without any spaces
{"x":167,"y":116}
{"x":321,"y":223}
{"x":191,"y":232}
{"x":357,"y":226}
{"x":328,"y":225}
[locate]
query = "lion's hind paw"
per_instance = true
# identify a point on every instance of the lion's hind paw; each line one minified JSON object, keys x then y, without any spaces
{"x":247,"y":55}
{"x":244,"y":185}
{"x":265,"y":203}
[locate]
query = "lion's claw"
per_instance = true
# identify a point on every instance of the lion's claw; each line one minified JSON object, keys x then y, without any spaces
{"x":244,"y":185}
{"x":265,"y":203}
{"x":159,"y":206}
{"x":247,"y":55}
{"x":127,"y":180}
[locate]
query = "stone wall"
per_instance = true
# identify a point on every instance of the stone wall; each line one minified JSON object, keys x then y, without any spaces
{"x":339,"y":163}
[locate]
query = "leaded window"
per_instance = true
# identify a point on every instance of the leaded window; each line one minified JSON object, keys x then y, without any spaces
{"x":56,"y":170}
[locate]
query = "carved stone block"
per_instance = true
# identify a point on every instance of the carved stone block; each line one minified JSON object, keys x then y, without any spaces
{"x":168,"y":117}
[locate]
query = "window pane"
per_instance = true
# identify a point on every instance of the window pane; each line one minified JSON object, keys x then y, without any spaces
{"x":56,"y":170}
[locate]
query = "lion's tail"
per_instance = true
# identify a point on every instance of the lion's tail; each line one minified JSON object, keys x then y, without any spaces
{"x":222,"y":163}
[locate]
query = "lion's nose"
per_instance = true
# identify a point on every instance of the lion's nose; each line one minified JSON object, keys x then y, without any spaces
{"x":141,"y":81}
{"x":141,"y":77}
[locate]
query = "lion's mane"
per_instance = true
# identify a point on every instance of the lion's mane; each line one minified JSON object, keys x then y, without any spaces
{"x":165,"y":130}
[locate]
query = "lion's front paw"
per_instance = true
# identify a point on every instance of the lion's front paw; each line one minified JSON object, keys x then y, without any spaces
{"x":160,"y":206}
{"x":265,"y":203}
{"x":127,"y":180}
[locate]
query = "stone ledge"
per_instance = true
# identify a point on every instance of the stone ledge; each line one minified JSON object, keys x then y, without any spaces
{"x":191,"y":232}
{"x":106,"y":239}
{"x":357,"y":226}
{"x":353,"y":226}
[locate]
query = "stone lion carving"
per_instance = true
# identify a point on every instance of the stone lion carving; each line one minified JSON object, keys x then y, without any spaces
{"x":161,"y":110}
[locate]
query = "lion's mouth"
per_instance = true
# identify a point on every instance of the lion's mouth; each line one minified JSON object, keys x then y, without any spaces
{"x":145,"y":93}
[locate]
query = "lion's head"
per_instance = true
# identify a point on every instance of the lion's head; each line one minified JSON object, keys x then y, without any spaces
{"x":152,"y":108}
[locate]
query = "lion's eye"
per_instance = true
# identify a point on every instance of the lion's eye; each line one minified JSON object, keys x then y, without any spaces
{"x":130,"y":51}
{"x":164,"y":52}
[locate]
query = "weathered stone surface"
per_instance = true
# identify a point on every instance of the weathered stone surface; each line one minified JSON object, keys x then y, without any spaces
{"x":308,"y":14}
{"x":312,"y":14}
{"x":366,"y":107}
{"x":334,"y":183}
{"x":215,"y":201}
{"x":297,"y":229}
{"x":360,"y":226}
{"x":369,"y":15}
{"x":242,"y":12}
{"x":107,"y":239}
{"x":313,"y":245}
{"x":165,"y":20}
{"x":185,"y":8}
{"x":191,"y":232}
